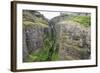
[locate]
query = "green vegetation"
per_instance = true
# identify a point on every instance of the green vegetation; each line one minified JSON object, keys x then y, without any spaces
{"x":38,"y":24}
{"x":83,"y":20}
{"x":57,"y":43}
{"x":46,"y":53}
{"x":29,"y":19}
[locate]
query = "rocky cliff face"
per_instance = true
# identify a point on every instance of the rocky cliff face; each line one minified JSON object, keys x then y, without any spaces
{"x":74,"y":39}
{"x":65,"y":38}
{"x":34,"y":25}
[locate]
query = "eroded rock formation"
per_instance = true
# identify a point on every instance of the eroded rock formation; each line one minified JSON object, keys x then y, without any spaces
{"x":72,"y":40}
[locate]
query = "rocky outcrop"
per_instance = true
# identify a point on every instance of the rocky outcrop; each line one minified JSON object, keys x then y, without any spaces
{"x":34,"y":25}
{"x":74,"y":39}
{"x":60,"y":37}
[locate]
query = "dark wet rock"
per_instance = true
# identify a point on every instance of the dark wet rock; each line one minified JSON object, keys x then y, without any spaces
{"x":34,"y":38}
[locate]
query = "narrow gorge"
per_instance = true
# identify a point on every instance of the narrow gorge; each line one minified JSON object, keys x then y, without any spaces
{"x":63,"y":37}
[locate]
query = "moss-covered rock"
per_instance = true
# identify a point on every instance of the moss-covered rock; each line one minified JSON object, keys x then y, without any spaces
{"x":74,"y":37}
{"x":34,"y":25}
{"x":64,"y":37}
